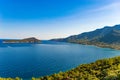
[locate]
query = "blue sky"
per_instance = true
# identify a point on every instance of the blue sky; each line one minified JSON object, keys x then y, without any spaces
{"x":47,"y":19}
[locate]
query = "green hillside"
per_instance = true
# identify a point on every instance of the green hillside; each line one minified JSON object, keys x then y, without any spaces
{"x":104,"y":37}
{"x":106,"y":69}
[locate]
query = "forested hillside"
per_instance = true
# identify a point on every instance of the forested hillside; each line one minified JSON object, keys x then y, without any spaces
{"x":106,"y":69}
{"x":104,"y":37}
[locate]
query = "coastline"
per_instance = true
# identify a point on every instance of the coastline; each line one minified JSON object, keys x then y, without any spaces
{"x":103,"y":69}
{"x":115,"y":46}
{"x":70,"y":71}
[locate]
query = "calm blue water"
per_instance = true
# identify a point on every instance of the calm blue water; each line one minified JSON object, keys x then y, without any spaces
{"x":27,"y":60}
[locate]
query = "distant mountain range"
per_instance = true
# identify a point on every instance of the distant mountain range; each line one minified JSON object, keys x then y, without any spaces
{"x":104,"y":36}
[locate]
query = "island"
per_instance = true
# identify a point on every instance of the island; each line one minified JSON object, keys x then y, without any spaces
{"x":26,"y":40}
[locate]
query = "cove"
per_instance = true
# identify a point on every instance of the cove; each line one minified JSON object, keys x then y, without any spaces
{"x":35,"y":60}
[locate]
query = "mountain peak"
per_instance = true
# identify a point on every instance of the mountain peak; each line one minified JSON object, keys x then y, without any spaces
{"x":103,"y":35}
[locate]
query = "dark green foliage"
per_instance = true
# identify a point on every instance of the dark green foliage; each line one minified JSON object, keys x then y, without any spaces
{"x":106,"y":69}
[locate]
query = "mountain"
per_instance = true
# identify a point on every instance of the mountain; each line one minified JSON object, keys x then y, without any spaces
{"x":107,"y":35}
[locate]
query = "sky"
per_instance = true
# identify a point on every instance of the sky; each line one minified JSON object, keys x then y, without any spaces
{"x":47,"y":19}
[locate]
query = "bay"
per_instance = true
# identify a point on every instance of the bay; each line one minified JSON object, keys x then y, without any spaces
{"x":35,"y":60}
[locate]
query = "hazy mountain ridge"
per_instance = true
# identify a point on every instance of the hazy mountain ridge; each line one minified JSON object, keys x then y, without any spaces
{"x":107,"y":35}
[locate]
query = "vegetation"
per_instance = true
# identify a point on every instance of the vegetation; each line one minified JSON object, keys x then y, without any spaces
{"x":99,"y":44}
{"x":17,"y":78}
{"x":105,"y":69}
{"x":105,"y":37}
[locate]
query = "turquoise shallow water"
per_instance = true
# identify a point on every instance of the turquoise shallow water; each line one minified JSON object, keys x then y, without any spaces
{"x":27,"y":60}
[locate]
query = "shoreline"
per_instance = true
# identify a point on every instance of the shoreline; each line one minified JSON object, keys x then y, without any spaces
{"x":115,"y":46}
{"x":103,"y":69}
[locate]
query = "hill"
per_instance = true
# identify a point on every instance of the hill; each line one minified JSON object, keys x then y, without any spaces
{"x":106,"y":69}
{"x":104,"y":37}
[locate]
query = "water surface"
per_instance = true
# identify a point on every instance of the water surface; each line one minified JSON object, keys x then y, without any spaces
{"x":28,"y":60}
